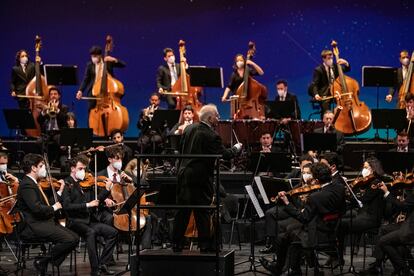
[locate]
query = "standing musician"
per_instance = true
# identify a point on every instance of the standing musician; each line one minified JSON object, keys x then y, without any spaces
{"x":149,"y":138}
{"x":236,"y":77}
{"x":409,"y":107}
{"x":323,"y":77}
{"x":329,"y":127}
{"x":79,"y":206}
{"x":117,"y":137}
{"x":195,"y":177}
{"x":167,"y":76}
{"x":283,"y":95}
{"x":39,"y":215}
{"x":186,"y":119}
{"x":22,"y":73}
{"x":318,"y":219}
{"x":94,"y":70}
{"x":402,"y":73}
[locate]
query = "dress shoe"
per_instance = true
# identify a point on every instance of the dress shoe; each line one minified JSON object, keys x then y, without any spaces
{"x":105,"y":270}
{"x":267,"y":250}
{"x":273,"y":267}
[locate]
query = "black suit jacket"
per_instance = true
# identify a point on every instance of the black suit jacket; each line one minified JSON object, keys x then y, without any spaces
{"x":291,"y":97}
{"x":320,"y":81}
{"x":31,"y":202}
{"x":340,"y":140}
{"x":19,"y":79}
{"x":89,"y":77}
{"x":407,"y":206}
{"x":164,"y":76}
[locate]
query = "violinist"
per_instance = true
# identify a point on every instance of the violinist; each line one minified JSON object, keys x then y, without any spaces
{"x":186,"y":119}
{"x":149,"y":140}
{"x":317,"y":218}
{"x":79,"y":206}
{"x":329,"y":127}
{"x":39,"y":215}
{"x":22,"y":73}
{"x":236,"y":77}
{"x":117,"y":137}
{"x":323,"y":77}
{"x":94,"y":70}
{"x":402,"y":73}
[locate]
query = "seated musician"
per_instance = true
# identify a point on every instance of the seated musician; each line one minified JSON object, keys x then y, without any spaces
{"x":39,"y":215}
{"x":65,"y":151}
{"x":394,"y":237}
{"x":186,"y":119}
{"x":276,"y":219}
{"x":167,"y":75}
{"x":22,"y":73}
{"x":93,"y":72}
{"x":328,"y":127}
{"x":323,"y":77}
{"x":369,"y":215}
{"x":5,"y":176}
{"x":402,"y":73}
{"x":266,"y":143}
{"x":117,"y":137}
{"x":149,"y":140}
{"x":79,"y":206}
{"x":236,"y":77}
{"x":317,"y":217}
{"x":284,"y":95}
{"x":403,"y":143}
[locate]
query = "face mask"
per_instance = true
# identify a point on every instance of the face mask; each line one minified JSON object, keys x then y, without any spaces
{"x":281,"y":92}
{"x":171,"y":59}
{"x":240,"y":64}
{"x":405,"y":61}
{"x":117,"y":165}
{"x":24,"y":60}
{"x":306,"y":177}
{"x":80,"y":175}
{"x":329,"y":62}
{"x":95,"y":60}
{"x":3,"y":168}
{"x":365,"y":172}
{"x":41,"y":173}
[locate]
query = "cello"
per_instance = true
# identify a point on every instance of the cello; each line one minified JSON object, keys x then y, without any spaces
{"x":109,"y":113}
{"x":352,"y":116}
{"x":37,"y":92}
{"x":408,"y":85}
{"x":251,"y":94}
{"x":8,"y":192}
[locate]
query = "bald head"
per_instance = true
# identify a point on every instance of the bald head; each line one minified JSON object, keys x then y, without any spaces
{"x":209,"y":114}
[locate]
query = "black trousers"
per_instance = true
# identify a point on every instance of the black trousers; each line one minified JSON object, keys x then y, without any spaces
{"x":64,"y":239}
{"x":150,"y":143}
{"x":325,"y":105}
{"x":89,"y":232}
{"x":284,"y":242}
{"x":274,"y":218}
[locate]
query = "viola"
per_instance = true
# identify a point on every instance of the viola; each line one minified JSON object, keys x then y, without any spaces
{"x":408,"y":85}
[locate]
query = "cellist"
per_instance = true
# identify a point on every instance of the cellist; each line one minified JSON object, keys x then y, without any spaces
{"x":93,"y":72}
{"x":22,"y":73}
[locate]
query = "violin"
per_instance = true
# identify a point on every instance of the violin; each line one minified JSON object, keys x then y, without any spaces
{"x":408,"y":85}
{"x":305,"y":189}
{"x":89,"y":181}
{"x":361,"y":182}
{"x":45,"y":184}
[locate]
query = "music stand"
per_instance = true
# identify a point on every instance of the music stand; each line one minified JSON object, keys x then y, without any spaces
{"x":59,"y":74}
{"x":270,"y":162}
{"x":396,"y":161}
{"x":273,"y":186}
{"x":319,"y":142}
{"x":206,"y":77}
{"x":279,"y":110}
{"x":164,"y":118}
{"x":388,"y":118}
{"x":80,"y":137}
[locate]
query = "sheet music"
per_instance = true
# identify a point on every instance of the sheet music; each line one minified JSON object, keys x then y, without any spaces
{"x":262,"y":191}
{"x":254,"y":200}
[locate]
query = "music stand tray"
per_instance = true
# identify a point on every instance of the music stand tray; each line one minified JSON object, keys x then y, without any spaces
{"x":81,"y":137}
{"x":379,"y":76}
{"x":58,"y":74}
{"x":396,"y":161}
{"x":270,"y":162}
{"x":319,"y":141}
{"x":280,"y":109}
{"x":206,"y":76}
{"x":19,"y":119}
{"x":164,"y":117}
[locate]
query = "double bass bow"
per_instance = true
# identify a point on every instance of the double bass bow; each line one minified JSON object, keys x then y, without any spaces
{"x":251,"y":94}
{"x":109,"y":113}
{"x":408,"y":85}
{"x":352,"y":116}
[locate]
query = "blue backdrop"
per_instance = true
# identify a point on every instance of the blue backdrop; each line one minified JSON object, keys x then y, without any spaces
{"x":289,"y":36}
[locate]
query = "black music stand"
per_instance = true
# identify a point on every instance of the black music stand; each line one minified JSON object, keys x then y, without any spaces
{"x":76,"y":137}
{"x":279,"y":110}
{"x":320,"y":142}
{"x":396,"y":161}
{"x":388,"y":118}
{"x":273,"y":186}
{"x":164,"y":118}
{"x":206,"y":77}
{"x":59,"y":74}
{"x":274,"y":162}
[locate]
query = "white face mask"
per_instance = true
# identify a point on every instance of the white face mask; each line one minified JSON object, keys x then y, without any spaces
{"x":117,"y":165}
{"x":171,"y":59}
{"x":41,"y":173}
{"x":3,"y":168}
{"x":365,"y":172}
{"x":24,"y":60}
{"x":306,"y":177}
{"x":281,"y":92}
{"x":80,"y":175}
{"x":240,"y":64}
{"x":405,"y":61}
{"x":95,"y":60}
{"x":329,"y":62}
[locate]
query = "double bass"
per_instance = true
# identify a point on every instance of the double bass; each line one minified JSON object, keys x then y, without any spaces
{"x":408,"y":85}
{"x":251,"y":94}
{"x":37,"y":92}
{"x":109,"y":113}
{"x":351,"y":115}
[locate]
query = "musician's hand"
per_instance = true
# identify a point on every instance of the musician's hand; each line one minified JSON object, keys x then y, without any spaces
{"x":265,"y":150}
{"x":93,"y":203}
{"x":108,"y":184}
{"x":62,"y":185}
{"x":126,"y":177}
{"x":374,"y":186}
{"x":318,"y":98}
{"x":109,"y":202}
{"x":160,"y":90}
{"x":249,"y":62}
{"x":110,"y":59}
{"x":383,"y":187}
{"x":13,"y":94}
{"x":388,"y":98}
{"x":57,"y":206}
{"x":79,"y":95}
{"x":11,"y":178}
{"x":238,"y":147}
{"x":342,"y":61}
{"x":283,"y":197}
{"x":223,"y":99}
